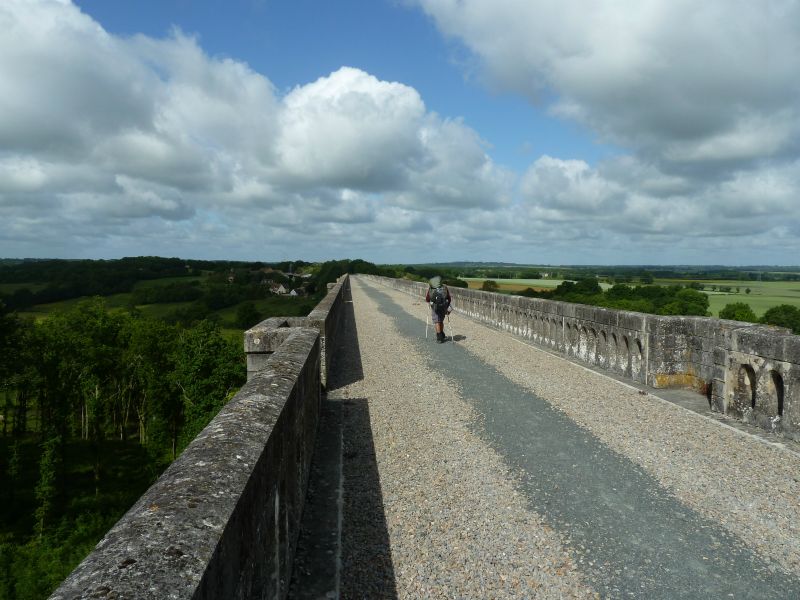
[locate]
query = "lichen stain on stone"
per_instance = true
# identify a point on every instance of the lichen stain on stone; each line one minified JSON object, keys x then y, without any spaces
{"x":678,"y":380}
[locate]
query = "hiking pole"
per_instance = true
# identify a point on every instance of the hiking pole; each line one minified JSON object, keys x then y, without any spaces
{"x":450,"y":325}
{"x":426,"y":327}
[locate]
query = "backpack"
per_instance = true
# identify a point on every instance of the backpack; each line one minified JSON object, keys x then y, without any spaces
{"x":439,"y":298}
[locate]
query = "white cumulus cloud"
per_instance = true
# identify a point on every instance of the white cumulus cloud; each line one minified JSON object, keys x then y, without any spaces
{"x":117,"y":141}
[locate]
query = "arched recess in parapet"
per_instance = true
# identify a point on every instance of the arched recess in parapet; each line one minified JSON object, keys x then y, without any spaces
{"x":602,"y":349}
{"x":583,"y":344}
{"x":636,"y":359}
{"x":769,"y":397}
{"x":744,"y":395}
{"x":625,"y":356}
{"x":591,"y":339}
{"x":613,"y":348}
{"x":777,"y":385}
{"x":574,"y":338}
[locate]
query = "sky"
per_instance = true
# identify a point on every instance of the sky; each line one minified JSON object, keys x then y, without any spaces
{"x":402,"y":131}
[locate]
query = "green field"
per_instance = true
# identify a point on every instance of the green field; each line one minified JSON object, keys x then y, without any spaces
{"x":270,"y":306}
{"x":763,"y":294}
{"x":40,"y":311}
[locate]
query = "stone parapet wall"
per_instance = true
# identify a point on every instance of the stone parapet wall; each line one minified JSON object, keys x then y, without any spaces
{"x":751,"y":372}
{"x":261,"y":340}
{"x":222,"y":521}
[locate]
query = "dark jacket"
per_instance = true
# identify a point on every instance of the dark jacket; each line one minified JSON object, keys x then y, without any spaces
{"x":447,"y":296}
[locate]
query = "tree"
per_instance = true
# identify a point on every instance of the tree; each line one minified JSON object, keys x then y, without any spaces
{"x":738,"y":311}
{"x":15,"y":369}
{"x":530,"y":275}
{"x":14,"y":466}
{"x":247,"y":315}
{"x":686,"y":301}
{"x":490,"y":286}
{"x":747,"y":290}
{"x":783,"y":315}
{"x":47,"y":488}
{"x":208,"y":369}
{"x":148,"y":358}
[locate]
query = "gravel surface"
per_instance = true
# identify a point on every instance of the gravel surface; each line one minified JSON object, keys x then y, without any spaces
{"x":457,"y":526}
{"x":750,"y":489}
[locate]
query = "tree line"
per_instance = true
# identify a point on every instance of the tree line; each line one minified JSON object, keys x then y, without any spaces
{"x":658,"y":300}
{"x":46,"y":281}
{"x":650,"y":299}
{"x":94,"y":405}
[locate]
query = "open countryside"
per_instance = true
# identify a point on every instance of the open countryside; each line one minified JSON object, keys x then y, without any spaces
{"x":763,"y":294}
{"x":399,"y":299}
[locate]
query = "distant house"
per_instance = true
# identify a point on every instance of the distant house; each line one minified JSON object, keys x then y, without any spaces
{"x":277,"y":289}
{"x":293,"y":293}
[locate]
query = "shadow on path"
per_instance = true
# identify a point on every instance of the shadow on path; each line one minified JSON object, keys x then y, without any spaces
{"x":343,"y":550}
{"x":346,"y":361}
{"x":367,"y":569}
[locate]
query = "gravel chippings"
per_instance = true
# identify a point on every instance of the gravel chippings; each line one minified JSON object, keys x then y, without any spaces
{"x":749,"y":488}
{"x":473,"y":537}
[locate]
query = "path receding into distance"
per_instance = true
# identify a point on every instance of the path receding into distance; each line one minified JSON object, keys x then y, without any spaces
{"x":485,"y":468}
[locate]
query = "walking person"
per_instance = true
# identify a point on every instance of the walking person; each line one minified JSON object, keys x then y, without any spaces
{"x":438,"y":296}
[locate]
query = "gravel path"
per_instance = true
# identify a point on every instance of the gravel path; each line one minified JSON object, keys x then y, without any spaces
{"x":457,"y":526}
{"x":472,"y":470}
{"x":751,"y":489}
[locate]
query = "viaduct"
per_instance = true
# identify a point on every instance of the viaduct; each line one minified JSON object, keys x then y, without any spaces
{"x":223,"y":519}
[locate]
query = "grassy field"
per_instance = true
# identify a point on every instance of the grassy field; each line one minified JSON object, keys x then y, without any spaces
{"x":40,"y":311}
{"x":763,"y":294}
{"x":271,"y":306}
